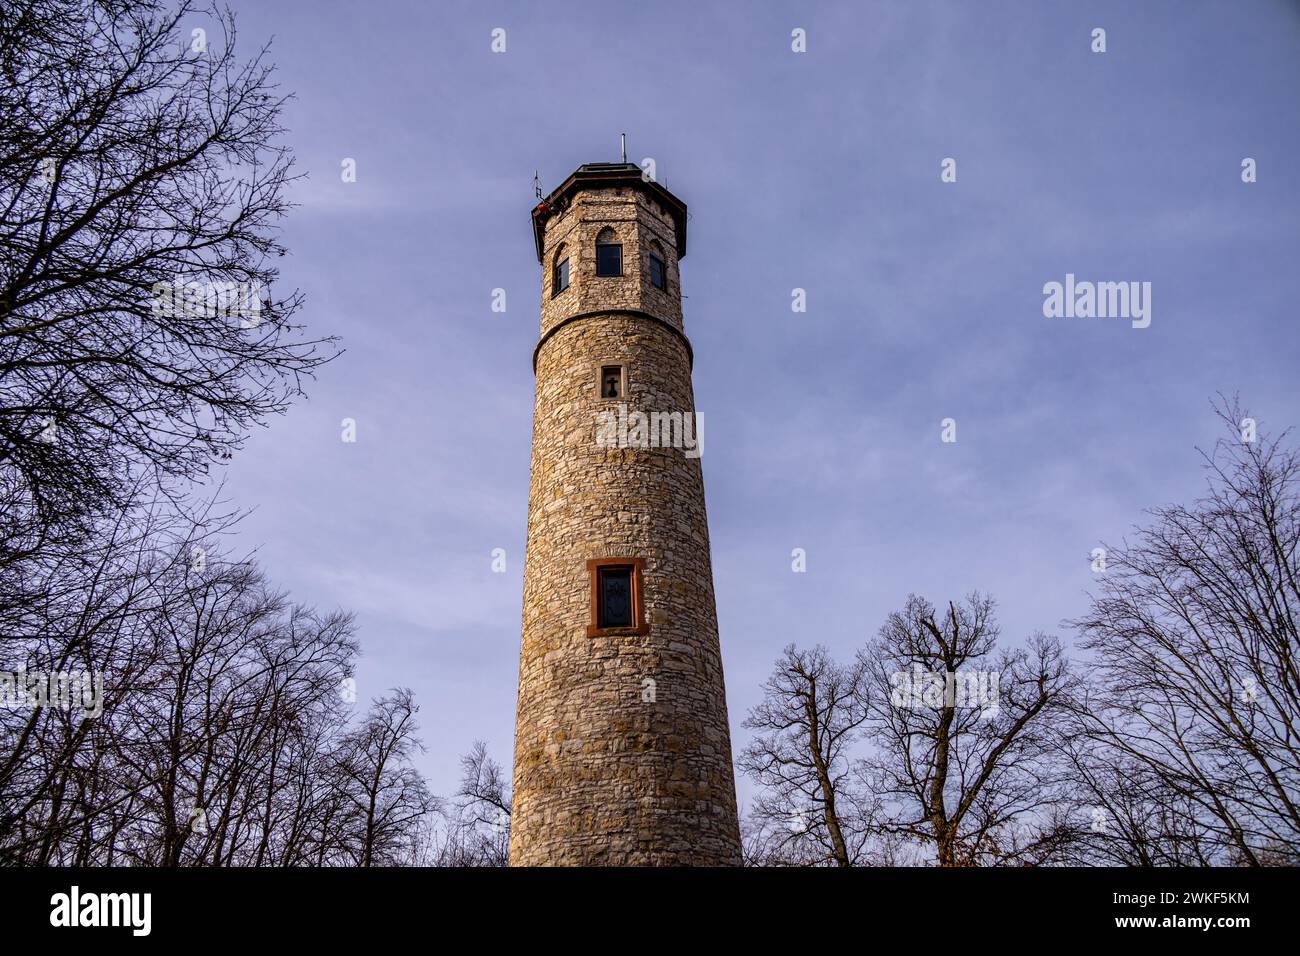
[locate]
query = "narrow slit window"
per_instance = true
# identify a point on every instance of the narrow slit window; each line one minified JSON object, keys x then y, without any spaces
{"x":560,"y":281}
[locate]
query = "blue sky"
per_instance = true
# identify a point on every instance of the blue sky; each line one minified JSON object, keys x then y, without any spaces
{"x":819,"y":171}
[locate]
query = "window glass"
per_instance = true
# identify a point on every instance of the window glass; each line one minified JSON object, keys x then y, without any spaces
{"x":657,"y":277}
{"x":615,"y":597}
{"x":609,"y":259}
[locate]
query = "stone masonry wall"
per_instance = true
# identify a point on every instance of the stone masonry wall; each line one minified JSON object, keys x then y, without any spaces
{"x":638,"y":221}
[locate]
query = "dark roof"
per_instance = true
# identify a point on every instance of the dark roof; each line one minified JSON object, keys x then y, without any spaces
{"x":594,"y":175}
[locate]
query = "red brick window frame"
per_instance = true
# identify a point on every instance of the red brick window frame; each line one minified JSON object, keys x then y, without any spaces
{"x":635,"y":567}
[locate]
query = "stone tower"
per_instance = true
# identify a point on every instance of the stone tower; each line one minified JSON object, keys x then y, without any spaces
{"x":622,"y":753}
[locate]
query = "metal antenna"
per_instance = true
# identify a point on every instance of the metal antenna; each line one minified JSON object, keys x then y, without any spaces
{"x":622,"y":139}
{"x":537,"y":185}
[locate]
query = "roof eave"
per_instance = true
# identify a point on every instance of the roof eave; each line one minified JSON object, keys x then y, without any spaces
{"x":608,"y":175}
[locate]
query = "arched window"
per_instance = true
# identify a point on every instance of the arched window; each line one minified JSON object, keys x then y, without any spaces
{"x":658,"y":267}
{"x":609,"y":253}
{"x":560,"y":271}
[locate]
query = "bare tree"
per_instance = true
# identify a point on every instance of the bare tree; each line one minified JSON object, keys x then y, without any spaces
{"x":473,"y":829}
{"x":1194,"y":628}
{"x":142,"y":177}
{"x":88,"y":609}
{"x":963,"y":735}
{"x":481,"y":825}
{"x":484,"y":786}
{"x":224,"y":737}
{"x":1125,"y":814}
{"x":141,"y":181}
{"x":385,"y":795}
{"x":809,"y":812}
